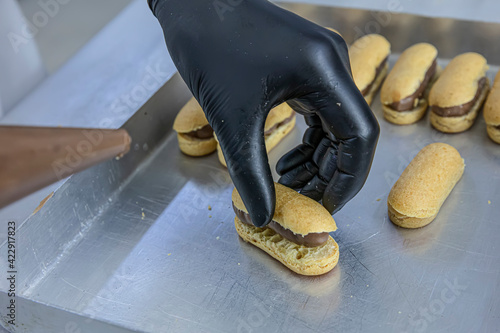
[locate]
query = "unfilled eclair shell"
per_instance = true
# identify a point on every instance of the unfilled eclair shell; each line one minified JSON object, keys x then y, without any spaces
{"x":492,"y":111}
{"x":418,"y":194}
{"x":412,"y":74}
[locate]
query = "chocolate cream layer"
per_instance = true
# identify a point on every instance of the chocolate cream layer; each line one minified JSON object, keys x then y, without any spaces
{"x":281,"y":123}
{"x":408,"y":103}
{"x":460,"y":110}
{"x":378,"y":70}
{"x":310,"y":240}
{"x":206,"y":132}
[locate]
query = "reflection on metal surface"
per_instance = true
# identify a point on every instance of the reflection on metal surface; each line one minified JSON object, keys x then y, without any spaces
{"x":90,"y":254}
{"x":451,"y":37}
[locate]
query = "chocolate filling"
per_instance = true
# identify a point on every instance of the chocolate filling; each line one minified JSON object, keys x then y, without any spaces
{"x":281,"y":123}
{"x":206,"y":132}
{"x":407,"y":103}
{"x":377,"y":73}
{"x":460,"y":110}
{"x":310,"y":240}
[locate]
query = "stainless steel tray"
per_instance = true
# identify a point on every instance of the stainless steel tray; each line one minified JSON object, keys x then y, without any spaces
{"x":147,"y":243}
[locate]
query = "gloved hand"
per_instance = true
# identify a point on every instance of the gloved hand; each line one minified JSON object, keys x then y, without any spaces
{"x":240,"y":59}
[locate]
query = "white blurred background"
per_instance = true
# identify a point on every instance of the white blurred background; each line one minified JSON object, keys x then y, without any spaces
{"x":71,"y":28}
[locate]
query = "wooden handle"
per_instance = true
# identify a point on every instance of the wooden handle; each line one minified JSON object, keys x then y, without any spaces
{"x":34,"y":157}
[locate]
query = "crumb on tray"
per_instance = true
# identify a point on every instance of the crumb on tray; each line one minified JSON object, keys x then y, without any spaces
{"x":42,"y":203}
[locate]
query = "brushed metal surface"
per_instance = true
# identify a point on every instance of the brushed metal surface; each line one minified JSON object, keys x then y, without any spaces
{"x":102,"y":86}
{"x":147,"y":243}
{"x":480,"y":10}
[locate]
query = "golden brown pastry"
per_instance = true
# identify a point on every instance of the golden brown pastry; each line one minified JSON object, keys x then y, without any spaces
{"x":459,"y":92}
{"x":195,"y":136}
{"x":279,"y":122}
{"x":298,"y":234}
{"x":417,"y":196}
{"x":403,"y":94}
{"x":492,"y":111}
{"x":369,"y":55}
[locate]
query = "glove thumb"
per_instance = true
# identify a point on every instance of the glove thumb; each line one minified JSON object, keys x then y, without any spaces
{"x":240,"y":133}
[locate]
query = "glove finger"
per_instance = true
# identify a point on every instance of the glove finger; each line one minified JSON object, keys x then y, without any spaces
{"x":304,"y":177}
{"x":302,"y":153}
{"x":355,"y":130}
{"x":318,"y":184}
{"x":315,"y":188}
{"x":241,"y":137}
{"x":300,"y":176}
{"x":323,"y":147}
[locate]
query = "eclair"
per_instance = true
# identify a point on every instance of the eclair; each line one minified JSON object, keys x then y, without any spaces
{"x":279,"y":122}
{"x":459,"y":92}
{"x":491,"y":111}
{"x":298,"y":236}
{"x":369,"y":55}
{"x":403,"y":92}
{"x":195,"y":136}
{"x":418,"y":194}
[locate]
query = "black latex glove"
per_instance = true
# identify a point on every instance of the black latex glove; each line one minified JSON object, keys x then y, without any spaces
{"x":240,"y":58}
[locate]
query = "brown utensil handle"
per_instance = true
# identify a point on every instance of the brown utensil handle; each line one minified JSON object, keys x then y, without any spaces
{"x":34,"y":157}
